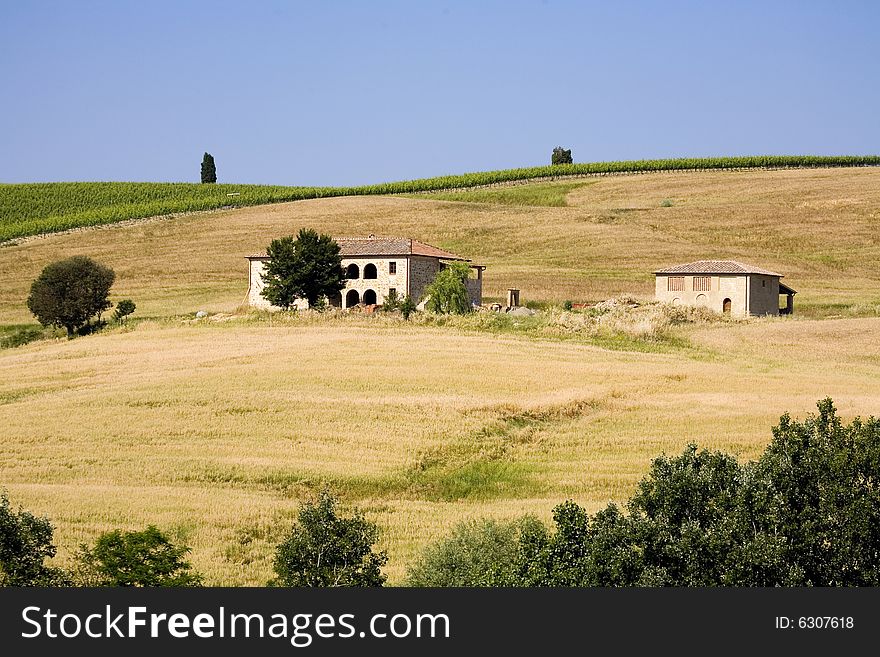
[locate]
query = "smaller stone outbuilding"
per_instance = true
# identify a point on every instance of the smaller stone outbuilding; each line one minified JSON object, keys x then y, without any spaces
{"x":726,"y":286}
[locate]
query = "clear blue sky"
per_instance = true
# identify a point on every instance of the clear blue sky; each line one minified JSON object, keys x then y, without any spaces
{"x":337,"y":93}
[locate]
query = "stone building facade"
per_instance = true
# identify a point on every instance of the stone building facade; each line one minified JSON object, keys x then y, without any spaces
{"x":725,"y":286}
{"x":375,"y":267}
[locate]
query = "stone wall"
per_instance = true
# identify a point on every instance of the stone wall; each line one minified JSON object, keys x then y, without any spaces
{"x":384,"y":281}
{"x":422,"y":272}
{"x":763,"y":295}
{"x":722,"y":287}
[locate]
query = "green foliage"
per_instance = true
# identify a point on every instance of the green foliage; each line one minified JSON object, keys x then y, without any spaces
{"x":209,"y":169}
{"x":817,"y":483}
{"x":552,"y":195}
{"x":123,"y":309}
{"x":405,"y":304}
{"x":666,"y":203}
{"x":407,"y":307}
{"x":25,"y":544}
{"x":447,"y":293}
{"x":68,"y":293}
{"x":561,"y":156}
{"x":392,"y":302}
{"x":308,"y":267}
{"x":34,"y":208}
{"x":145,"y":558}
{"x":567,"y":305}
{"x":325,"y":549}
{"x":19,"y":336}
{"x":477,"y":553}
{"x":807,"y":513}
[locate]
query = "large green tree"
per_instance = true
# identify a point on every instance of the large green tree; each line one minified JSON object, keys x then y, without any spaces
{"x":209,"y":169}
{"x":308,"y":267}
{"x":326,"y":549}
{"x":447,"y":293}
{"x":68,"y":293}
{"x":144,"y":558}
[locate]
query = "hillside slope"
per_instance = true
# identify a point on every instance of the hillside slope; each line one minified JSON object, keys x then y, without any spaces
{"x":819,"y":227}
{"x":32,"y":209}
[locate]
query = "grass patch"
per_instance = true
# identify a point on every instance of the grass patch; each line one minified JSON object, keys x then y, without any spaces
{"x":551,"y":195}
{"x":17,"y":335}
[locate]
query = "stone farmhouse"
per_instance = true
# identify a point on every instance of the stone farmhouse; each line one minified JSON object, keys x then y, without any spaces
{"x":376,"y":267}
{"x":725,"y":286}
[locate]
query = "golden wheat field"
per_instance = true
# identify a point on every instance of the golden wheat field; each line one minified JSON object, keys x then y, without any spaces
{"x":216,"y":430}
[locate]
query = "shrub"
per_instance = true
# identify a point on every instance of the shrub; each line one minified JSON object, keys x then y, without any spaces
{"x":25,"y":544}
{"x":407,"y":307}
{"x":568,"y":305}
{"x":308,"y":267}
{"x":666,"y":203}
{"x":68,"y":293}
{"x":477,"y":553}
{"x":325,"y":549}
{"x":447,"y":293}
{"x":145,"y":558}
{"x":123,"y":309}
{"x":392,"y":302}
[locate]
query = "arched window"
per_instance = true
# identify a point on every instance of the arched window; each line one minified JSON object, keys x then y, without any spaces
{"x":725,"y":307}
{"x":352,"y":271}
{"x":352,"y":298}
{"x":370,"y":271}
{"x":369,"y":296}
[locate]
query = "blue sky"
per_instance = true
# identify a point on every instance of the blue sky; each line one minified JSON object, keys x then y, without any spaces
{"x":338,"y":93}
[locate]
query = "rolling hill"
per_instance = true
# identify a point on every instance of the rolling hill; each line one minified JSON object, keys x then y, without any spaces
{"x":216,"y":429}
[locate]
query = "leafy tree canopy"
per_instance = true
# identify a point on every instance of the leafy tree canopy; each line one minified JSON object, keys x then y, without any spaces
{"x":561,"y":156}
{"x":326,"y":549}
{"x":25,"y":544}
{"x":144,"y":558}
{"x":308,"y":267}
{"x":68,"y":293}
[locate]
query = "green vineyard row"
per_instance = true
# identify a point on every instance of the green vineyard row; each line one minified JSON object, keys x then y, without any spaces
{"x":35,"y":208}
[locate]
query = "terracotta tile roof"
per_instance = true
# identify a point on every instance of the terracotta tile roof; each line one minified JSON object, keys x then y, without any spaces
{"x":352,"y":247}
{"x":716,"y":267}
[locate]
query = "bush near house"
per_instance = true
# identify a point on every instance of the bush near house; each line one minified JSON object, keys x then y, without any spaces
{"x":447,"y":293}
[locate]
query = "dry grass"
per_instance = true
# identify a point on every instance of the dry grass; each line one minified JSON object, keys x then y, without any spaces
{"x":820,"y":227}
{"x":216,"y":430}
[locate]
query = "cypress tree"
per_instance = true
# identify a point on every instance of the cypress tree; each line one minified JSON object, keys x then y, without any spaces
{"x":209,"y":170}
